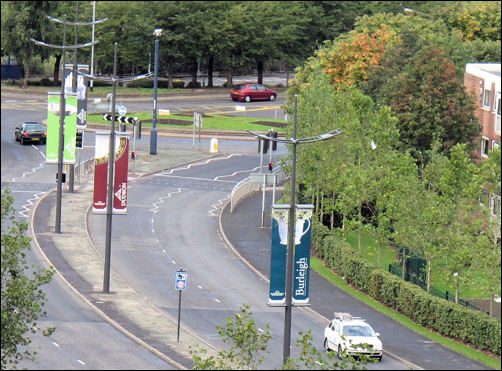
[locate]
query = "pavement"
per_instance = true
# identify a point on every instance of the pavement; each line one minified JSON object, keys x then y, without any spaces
{"x":80,"y":264}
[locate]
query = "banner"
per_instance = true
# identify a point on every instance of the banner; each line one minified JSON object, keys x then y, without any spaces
{"x":121,"y":158}
{"x":278,"y":255}
{"x":82,"y":82}
{"x":301,"y":256}
{"x":303,"y":234}
{"x":120,"y":174}
{"x":69,"y":128}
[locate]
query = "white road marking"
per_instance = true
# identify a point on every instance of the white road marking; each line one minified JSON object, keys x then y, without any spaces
{"x":56,"y":344}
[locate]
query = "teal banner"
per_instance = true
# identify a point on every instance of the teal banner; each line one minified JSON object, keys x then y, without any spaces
{"x":278,"y":255}
{"x":303,"y":234}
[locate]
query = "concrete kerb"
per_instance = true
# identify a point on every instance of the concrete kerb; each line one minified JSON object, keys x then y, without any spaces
{"x":310,"y":311}
{"x":130,"y":291}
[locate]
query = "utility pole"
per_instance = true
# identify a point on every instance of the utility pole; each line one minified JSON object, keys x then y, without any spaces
{"x":64,"y":47}
{"x":111,"y":165}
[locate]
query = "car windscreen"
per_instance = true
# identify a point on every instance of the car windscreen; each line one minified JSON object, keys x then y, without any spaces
{"x":34,"y":128}
{"x":358,"y":331}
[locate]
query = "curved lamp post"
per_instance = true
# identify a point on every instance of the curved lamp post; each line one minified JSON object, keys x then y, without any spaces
{"x":291,"y":222}
{"x":153,"y":133}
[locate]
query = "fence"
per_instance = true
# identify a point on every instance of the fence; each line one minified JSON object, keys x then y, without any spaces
{"x":242,"y":190}
{"x":396,"y":270}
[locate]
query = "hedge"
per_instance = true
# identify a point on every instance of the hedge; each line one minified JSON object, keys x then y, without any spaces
{"x":446,"y":317}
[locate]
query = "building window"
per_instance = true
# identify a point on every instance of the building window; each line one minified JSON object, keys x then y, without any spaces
{"x":484,"y":146}
{"x":495,"y":144}
{"x":498,"y":106}
{"x":495,"y":204}
{"x":487,"y":98}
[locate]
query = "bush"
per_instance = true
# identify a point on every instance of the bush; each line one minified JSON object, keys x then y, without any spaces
{"x":178,"y":84}
{"x":145,"y":83}
{"x":192,"y":85}
{"x":46,"y":82}
{"x":446,"y":317}
{"x":99,"y":83}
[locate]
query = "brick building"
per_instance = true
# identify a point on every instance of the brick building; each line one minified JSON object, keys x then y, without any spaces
{"x":484,"y":80}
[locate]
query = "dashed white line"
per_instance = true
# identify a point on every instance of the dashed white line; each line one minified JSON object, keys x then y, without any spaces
{"x":81,"y":362}
{"x":56,"y":344}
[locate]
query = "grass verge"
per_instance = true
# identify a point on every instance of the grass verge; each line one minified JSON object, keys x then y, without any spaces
{"x":467,"y":351}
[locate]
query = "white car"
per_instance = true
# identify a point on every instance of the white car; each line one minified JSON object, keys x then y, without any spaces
{"x":348,"y":333}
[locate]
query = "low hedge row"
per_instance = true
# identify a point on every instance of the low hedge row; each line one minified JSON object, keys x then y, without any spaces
{"x":445,"y":317}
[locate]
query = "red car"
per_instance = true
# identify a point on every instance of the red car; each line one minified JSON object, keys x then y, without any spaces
{"x":248,"y":92}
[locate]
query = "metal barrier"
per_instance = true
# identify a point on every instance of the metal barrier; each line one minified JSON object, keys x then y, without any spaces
{"x":242,"y":190}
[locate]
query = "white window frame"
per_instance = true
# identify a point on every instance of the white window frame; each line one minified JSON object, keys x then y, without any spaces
{"x":495,"y":144}
{"x":485,"y":146}
{"x":495,"y":204}
{"x":489,"y":99}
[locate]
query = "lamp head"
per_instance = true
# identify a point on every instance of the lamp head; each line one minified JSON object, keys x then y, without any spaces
{"x":157,"y":32}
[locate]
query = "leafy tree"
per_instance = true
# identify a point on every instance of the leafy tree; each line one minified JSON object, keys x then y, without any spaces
{"x":22,"y":20}
{"x":430,"y":102}
{"x":248,"y":344}
{"x":22,"y":297}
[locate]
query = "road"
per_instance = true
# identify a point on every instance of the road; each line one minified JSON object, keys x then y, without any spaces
{"x":174,"y":223}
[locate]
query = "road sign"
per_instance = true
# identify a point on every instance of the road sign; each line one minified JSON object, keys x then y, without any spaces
{"x":122,"y":119}
{"x":181,"y":280}
{"x":122,"y":110}
{"x":270,"y":179}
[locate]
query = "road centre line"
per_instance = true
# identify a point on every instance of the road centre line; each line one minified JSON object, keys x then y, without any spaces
{"x":195,"y":178}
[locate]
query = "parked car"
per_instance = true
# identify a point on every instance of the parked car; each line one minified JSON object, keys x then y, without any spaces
{"x":248,"y":92}
{"x":352,"y":335}
{"x":31,"y":132}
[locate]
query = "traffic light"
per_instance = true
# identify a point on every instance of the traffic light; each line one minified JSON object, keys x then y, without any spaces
{"x":80,"y":139}
{"x":273,"y":134}
{"x":270,"y":166}
{"x":264,"y":146}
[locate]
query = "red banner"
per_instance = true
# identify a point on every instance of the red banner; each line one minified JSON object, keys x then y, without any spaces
{"x":120,"y":181}
{"x":99,"y":205}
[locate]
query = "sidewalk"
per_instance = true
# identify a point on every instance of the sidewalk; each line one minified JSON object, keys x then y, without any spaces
{"x":79,"y":263}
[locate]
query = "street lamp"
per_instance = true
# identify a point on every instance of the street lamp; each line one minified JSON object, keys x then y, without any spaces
{"x":153,"y":133}
{"x":291,"y":222}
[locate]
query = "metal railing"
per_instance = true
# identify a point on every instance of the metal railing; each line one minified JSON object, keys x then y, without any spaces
{"x":242,"y":190}
{"x":396,"y":270}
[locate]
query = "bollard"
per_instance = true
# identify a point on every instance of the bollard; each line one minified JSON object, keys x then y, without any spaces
{"x":214,"y":145}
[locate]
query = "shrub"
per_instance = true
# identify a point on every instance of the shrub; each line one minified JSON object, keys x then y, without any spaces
{"x":448,"y":318}
{"x":178,"y":84}
{"x":192,"y":85}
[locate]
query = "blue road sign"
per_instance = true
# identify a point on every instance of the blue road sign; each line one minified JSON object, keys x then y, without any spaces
{"x":181,"y":280}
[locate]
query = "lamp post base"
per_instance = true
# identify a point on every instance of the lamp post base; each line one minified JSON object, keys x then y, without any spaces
{"x":153,"y":141}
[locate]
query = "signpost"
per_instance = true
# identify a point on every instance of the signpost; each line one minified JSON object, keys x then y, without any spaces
{"x":197,"y":123}
{"x":181,"y":285}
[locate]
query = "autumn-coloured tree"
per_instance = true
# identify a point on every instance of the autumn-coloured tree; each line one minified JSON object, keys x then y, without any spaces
{"x":430,"y":102}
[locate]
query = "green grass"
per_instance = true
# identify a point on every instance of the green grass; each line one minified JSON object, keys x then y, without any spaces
{"x":471,"y":289}
{"x":476,"y":355}
{"x":210,"y":122}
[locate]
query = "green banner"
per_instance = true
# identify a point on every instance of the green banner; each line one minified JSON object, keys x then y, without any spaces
{"x":69,"y":131}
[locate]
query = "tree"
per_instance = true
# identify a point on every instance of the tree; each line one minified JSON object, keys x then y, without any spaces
{"x":22,"y":297}
{"x":21,"y":21}
{"x":249,"y":343}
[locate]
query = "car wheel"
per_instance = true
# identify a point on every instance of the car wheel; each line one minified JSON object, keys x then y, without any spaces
{"x":247,"y":99}
{"x":326,"y":345}
{"x":272,"y":97}
{"x":339,"y":352}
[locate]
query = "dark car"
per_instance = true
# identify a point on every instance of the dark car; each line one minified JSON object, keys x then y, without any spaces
{"x":248,"y":92}
{"x":31,"y":132}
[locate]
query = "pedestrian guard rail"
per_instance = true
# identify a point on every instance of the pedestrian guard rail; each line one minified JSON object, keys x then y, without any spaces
{"x":246,"y":188}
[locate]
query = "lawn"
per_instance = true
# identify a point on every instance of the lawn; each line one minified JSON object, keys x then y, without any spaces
{"x":218,"y":122}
